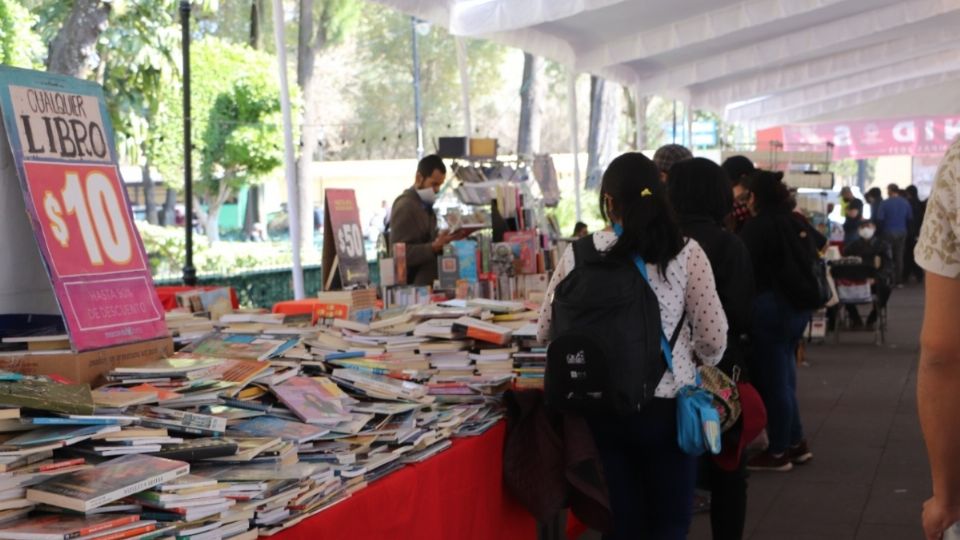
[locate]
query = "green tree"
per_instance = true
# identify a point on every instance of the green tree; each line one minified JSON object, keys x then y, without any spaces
{"x":235,"y":110}
{"x":139,"y":54}
{"x":19,"y":45}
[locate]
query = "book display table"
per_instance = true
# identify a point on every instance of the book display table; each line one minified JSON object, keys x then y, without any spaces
{"x":456,"y":494}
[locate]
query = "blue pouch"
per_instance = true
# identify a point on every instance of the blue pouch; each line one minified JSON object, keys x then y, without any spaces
{"x":698,"y":422}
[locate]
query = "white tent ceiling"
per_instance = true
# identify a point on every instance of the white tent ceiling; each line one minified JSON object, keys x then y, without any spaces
{"x":761,"y":62}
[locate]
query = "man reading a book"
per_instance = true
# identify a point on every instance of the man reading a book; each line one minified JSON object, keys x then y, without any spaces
{"x":414,"y":223}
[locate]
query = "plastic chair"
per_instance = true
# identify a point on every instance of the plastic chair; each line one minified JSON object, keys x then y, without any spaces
{"x":854,"y":288}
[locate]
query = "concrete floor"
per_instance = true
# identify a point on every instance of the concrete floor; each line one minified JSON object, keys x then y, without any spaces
{"x":869,"y":476}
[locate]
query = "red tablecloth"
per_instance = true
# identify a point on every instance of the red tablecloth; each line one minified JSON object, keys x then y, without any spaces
{"x":168,"y":295}
{"x":457,"y":494}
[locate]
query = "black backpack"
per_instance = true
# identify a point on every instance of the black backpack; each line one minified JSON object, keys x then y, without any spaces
{"x":604,"y":355}
{"x":803,"y":276}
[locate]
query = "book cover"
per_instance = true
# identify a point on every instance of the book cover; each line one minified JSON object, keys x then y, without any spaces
{"x":174,"y":366}
{"x":483,"y":331}
{"x":48,"y":396}
{"x":310,"y":402}
{"x":236,"y":346}
{"x":529,"y":248}
{"x":110,"y":481}
{"x":62,"y":526}
{"x":178,"y":420}
{"x":45,"y":436}
{"x":449,"y":271}
{"x":466,"y":251}
{"x":502,"y":258}
{"x":268,"y":426}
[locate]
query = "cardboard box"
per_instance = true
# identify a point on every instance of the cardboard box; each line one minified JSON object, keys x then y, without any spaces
{"x":483,"y":148}
{"x":86,"y":367}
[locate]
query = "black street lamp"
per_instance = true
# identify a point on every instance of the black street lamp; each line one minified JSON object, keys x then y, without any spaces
{"x":189,"y":271}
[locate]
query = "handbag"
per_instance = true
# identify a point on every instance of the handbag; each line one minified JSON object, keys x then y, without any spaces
{"x":698,"y":422}
{"x":725,"y":394}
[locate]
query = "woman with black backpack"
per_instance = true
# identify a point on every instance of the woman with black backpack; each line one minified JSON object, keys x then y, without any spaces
{"x":650,"y":479}
{"x":782,"y":250}
{"x":702,"y":196}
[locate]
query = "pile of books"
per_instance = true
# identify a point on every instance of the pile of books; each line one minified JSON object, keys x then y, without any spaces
{"x":251,"y":428}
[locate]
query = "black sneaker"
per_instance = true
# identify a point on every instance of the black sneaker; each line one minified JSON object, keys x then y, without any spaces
{"x":800,"y":454}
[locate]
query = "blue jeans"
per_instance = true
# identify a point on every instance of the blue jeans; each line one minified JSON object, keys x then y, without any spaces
{"x":650,"y":480}
{"x":777,"y":330}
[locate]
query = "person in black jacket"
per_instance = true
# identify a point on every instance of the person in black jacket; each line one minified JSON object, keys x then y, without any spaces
{"x":777,"y":324}
{"x":702,"y":196}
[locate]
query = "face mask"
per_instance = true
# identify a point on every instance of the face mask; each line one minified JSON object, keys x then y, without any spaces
{"x":427,"y":195}
{"x":867,"y":234}
{"x":617,"y":229}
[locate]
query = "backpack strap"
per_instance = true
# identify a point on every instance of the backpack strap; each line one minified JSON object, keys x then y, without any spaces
{"x":666,"y":346}
{"x":585,"y":251}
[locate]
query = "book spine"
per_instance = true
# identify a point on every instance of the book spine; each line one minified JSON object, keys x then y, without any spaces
{"x":105,"y":526}
{"x":128,"y":533}
{"x":142,"y":485}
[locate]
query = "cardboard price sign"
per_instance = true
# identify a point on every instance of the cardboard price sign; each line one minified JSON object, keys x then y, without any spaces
{"x":343,"y":249}
{"x":62,"y":144}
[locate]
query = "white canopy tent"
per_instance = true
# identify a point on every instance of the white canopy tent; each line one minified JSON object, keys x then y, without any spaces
{"x":761,"y":62}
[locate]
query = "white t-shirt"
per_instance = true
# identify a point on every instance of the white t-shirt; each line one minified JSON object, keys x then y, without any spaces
{"x":689,"y":285}
{"x":938,"y":248}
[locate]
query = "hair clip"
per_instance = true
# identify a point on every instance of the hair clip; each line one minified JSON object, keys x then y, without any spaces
{"x":646,"y":192}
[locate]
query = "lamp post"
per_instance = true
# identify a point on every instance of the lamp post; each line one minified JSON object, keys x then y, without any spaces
{"x":417,"y":112}
{"x":189,"y":271}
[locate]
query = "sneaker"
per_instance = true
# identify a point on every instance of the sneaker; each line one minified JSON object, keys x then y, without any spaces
{"x":770,"y":462}
{"x":800,"y":454}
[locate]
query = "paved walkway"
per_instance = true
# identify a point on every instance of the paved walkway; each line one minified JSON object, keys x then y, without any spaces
{"x":869,"y":476}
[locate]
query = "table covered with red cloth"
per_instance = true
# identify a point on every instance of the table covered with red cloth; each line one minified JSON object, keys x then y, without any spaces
{"x":457,"y":494}
{"x":168,"y":295}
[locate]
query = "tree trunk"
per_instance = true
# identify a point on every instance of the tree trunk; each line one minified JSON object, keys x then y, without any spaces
{"x":252,"y":214}
{"x":528,"y":139}
{"x":212,"y":224}
{"x":168,"y":217}
{"x":148,"y":197}
{"x":76,"y":42}
{"x":310,"y":42}
{"x":603,"y":134}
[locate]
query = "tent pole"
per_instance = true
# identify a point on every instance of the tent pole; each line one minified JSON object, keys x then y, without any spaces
{"x":290,"y":172}
{"x":574,"y":138}
{"x":464,"y":85}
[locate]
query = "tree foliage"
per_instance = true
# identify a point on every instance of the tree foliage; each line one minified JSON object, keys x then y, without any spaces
{"x":382,"y":97}
{"x":235,"y":112}
{"x":19,"y":45}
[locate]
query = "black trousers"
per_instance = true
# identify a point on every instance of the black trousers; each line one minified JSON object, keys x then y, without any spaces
{"x":728,"y":499}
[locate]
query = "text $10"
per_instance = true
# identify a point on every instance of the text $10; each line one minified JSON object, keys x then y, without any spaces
{"x":99,"y":214}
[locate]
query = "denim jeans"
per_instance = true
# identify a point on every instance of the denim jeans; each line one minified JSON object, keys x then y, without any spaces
{"x":898,"y":243}
{"x":777,"y":330}
{"x":650,"y":480}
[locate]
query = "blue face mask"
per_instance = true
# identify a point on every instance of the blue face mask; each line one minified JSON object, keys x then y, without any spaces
{"x":617,"y":229}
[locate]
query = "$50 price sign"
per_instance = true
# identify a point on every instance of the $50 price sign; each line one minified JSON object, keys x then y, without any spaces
{"x":83,"y":218}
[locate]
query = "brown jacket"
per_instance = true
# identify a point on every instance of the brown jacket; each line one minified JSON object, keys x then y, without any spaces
{"x":550,"y":462}
{"x":415,"y":224}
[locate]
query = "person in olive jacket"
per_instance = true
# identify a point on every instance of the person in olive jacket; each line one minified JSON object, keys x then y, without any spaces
{"x":414,"y":223}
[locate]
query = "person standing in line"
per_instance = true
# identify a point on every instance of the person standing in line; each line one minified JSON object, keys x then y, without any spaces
{"x":874,"y":199}
{"x":739,"y":169}
{"x":938,"y":253}
{"x":667,"y":155}
{"x":413,"y":222}
{"x":777,"y":325}
{"x":894,"y":218}
{"x":650,"y":479}
{"x":702,"y":197}
{"x":919,"y":208}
